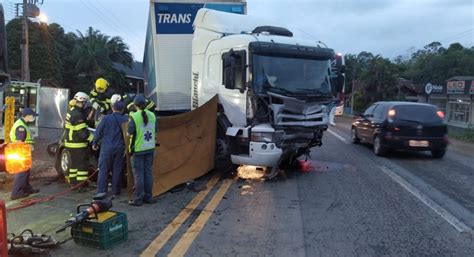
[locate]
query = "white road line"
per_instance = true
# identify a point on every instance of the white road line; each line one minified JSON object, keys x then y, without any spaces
{"x":452,"y":220}
{"x":338,"y":136}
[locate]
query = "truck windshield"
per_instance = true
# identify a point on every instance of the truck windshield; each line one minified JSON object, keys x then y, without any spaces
{"x":291,"y":76}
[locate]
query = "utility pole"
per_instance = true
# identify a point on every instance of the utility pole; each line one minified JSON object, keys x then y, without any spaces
{"x":353,"y":90}
{"x":25,"y":58}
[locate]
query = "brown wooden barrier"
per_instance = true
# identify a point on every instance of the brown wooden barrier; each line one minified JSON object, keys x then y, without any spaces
{"x":187,"y":144}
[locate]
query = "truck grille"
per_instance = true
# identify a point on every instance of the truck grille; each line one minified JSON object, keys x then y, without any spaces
{"x":289,"y":111}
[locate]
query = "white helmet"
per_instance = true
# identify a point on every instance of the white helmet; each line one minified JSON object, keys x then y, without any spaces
{"x":115,"y":98}
{"x":81,"y":97}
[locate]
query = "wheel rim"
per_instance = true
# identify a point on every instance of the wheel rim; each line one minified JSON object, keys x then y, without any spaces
{"x":353,"y":134}
{"x":376,"y":145}
{"x":64,"y":161}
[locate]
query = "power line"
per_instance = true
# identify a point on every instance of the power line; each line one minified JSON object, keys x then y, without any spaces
{"x":101,"y":18}
{"x":462,"y":34}
{"x":123,"y":24}
{"x":111,"y":24}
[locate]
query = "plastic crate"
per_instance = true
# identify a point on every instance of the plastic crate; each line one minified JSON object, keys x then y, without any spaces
{"x":101,"y":235}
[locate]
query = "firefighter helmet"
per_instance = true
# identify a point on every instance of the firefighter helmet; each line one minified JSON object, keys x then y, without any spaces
{"x":101,"y":85}
{"x":115,"y":98}
{"x":81,"y":97}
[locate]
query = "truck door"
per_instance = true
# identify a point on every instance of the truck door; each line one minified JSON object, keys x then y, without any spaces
{"x":232,"y":92}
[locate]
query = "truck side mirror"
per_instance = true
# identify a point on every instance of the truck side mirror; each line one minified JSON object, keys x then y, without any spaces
{"x":340,"y":70}
{"x":229,"y":71}
{"x":340,"y":83}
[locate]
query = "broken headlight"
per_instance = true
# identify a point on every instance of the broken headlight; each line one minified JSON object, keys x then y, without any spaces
{"x":265,"y":137}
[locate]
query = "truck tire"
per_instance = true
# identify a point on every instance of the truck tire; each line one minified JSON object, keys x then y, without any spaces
{"x":222,"y":160}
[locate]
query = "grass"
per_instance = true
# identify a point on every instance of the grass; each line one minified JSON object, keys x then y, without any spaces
{"x":466,"y":135}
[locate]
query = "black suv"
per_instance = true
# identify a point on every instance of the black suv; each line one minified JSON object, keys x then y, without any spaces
{"x":402,"y":126}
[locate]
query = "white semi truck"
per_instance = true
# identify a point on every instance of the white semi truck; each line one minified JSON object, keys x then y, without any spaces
{"x":275,"y":90}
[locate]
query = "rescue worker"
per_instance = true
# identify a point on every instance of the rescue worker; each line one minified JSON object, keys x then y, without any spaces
{"x":127,"y":99}
{"x":142,"y":128}
{"x":20,"y":132}
{"x":77,"y":138}
{"x":112,"y":150}
{"x":100,"y":96}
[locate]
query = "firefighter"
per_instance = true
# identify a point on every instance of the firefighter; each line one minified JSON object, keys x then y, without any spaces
{"x":100,"y":96}
{"x":20,"y":132}
{"x":127,"y":99}
{"x":77,"y":138}
{"x":112,"y":150}
{"x":142,"y":131}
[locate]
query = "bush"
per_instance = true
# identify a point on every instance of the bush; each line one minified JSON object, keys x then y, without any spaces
{"x":464,"y":135}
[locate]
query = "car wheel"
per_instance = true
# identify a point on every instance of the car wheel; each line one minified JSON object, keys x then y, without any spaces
{"x":379,"y":150}
{"x":354,"y":137}
{"x":64,"y":162}
{"x":438,"y":154}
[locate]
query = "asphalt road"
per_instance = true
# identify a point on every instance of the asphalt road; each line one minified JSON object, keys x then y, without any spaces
{"x":350,"y":203}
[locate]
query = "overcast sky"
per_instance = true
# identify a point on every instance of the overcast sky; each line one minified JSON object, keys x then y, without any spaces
{"x":387,"y":27}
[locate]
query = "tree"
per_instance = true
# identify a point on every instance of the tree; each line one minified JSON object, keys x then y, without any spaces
{"x":95,"y":54}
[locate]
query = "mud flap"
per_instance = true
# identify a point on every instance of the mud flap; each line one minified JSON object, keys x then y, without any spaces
{"x":186,"y":148}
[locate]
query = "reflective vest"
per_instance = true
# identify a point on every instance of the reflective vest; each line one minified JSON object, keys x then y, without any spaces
{"x":77,"y":135}
{"x":144,"y":138}
{"x":21,"y":123}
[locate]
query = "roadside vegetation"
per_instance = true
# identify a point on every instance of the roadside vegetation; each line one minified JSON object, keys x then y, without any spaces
{"x":375,"y":78}
{"x":467,"y":135}
{"x":68,"y":59}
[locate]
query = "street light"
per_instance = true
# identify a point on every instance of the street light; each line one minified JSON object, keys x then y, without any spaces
{"x":42,"y":18}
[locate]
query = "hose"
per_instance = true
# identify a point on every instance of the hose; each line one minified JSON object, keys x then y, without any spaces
{"x":29,"y":202}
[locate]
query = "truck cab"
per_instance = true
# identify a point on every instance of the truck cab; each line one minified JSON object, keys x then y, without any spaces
{"x":275,"y":90}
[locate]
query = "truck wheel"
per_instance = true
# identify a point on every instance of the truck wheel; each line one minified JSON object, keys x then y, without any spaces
{"x":222,"y":160}
{"x":64,"y":162}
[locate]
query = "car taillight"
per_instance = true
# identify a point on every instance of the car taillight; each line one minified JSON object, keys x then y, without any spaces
{"x":17,"y":158}
{"x":440,"y":114}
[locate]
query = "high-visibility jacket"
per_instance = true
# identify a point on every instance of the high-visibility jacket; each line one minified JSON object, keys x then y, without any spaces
{"x":103,"y":99}
{"x":76,"y":133}
{"x":144,"y":138}
{"x":21,"y":123}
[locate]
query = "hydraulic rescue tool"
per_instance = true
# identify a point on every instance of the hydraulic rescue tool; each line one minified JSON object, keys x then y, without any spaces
{"x":98,"y":205}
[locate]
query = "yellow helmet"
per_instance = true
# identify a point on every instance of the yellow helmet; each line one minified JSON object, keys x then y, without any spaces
{"x":101,"y":85}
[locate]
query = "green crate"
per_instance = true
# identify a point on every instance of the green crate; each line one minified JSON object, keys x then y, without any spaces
{"x":103,"y":235}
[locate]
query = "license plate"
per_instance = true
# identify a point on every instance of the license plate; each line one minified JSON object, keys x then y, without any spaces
{"x":416,"y":143}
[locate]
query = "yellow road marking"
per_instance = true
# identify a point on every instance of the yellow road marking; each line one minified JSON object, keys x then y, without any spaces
{"x":171,"y":229}
{"x":188,"y":238}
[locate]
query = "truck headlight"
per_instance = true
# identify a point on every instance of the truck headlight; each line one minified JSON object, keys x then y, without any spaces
{"x":265,"y":137}
{"x":16,"y":157}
